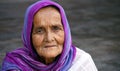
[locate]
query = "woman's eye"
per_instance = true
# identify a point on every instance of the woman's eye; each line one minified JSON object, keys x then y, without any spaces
{"x":40,"y":30}
{"x":56,"y":28}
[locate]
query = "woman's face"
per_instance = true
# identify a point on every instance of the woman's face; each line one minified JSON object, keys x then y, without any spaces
{"x":48,"y":33}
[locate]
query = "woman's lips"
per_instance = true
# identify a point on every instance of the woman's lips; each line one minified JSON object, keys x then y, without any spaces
{"x":49,"y":46}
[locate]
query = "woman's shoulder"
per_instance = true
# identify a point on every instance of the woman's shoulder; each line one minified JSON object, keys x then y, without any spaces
{"x":13,"y":58}
{"x":81,"y":55}
{"x":80,"y":52}
{"x":82,"y":62}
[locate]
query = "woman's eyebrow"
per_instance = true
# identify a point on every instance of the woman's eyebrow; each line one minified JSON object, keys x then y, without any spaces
{"x":38,"y":27}
{"x":60,"y":25}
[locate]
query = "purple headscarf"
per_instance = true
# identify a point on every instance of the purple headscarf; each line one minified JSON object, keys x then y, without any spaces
{"x":25,"y":59}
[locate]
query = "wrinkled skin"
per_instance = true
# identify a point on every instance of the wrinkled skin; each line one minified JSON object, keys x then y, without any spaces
{"x":48,"y":34}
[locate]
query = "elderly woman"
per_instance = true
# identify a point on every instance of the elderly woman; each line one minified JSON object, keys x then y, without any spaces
{"x":47,"y":43}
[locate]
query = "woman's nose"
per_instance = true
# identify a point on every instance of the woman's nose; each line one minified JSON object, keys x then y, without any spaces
{"x":49,"y":37}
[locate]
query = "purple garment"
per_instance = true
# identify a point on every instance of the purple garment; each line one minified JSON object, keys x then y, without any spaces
{"x":25,"y":59}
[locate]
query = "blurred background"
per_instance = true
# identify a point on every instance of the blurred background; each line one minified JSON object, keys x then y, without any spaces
{"x":95,"y":28}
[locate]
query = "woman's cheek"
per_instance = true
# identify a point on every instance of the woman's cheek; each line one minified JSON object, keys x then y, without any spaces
{"x":37,"y":40}
{"x":60,"y":38}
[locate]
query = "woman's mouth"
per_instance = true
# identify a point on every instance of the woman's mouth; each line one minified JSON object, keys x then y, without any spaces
{"x":49,"y":46}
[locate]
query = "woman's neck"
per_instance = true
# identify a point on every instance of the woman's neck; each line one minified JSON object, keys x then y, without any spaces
{"x":47,"y":61}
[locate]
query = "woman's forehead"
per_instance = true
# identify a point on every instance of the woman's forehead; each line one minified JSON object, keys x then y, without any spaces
{"x":47,"y":13}
{"x":48,"y":9}
{"x":47,"y":16}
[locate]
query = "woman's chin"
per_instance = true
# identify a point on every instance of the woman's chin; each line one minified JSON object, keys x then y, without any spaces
{"x":50,"y":55}
{"x":53,"y":53}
